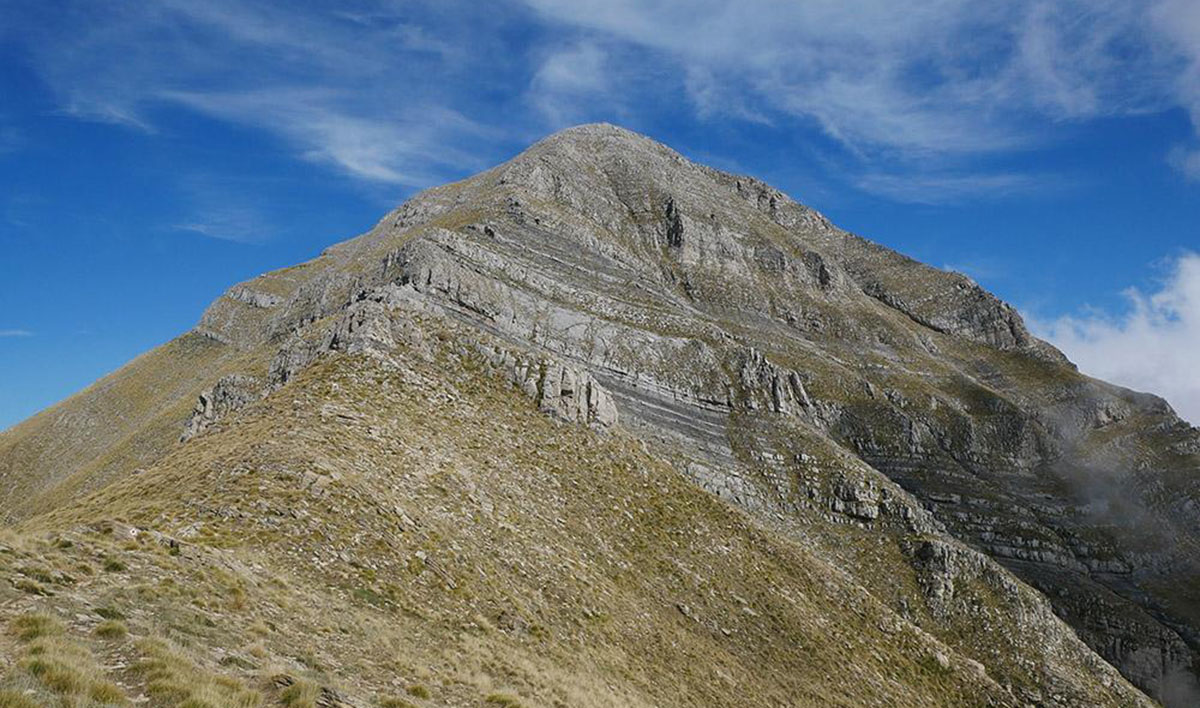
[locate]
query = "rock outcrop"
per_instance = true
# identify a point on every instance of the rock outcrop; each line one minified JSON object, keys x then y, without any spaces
{"x":229,"y":394}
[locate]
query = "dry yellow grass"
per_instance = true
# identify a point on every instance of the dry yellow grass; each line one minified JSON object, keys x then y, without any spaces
{"x":57,"y":666}
{"x":377,"y":526}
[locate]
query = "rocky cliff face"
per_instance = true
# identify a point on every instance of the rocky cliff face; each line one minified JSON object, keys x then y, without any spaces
{"x":843,"y":395}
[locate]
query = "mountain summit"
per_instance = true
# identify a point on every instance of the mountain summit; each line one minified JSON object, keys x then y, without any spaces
{"x":603,"y":426}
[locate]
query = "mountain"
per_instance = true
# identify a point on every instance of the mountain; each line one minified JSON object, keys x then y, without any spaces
{"x":603,"y":426}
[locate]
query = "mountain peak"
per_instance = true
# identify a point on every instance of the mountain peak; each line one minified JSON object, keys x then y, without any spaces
{"x":600,"y":350}
{"x":602,"y":145}
{"x":607,"y":197}
{"x":586,"y":133}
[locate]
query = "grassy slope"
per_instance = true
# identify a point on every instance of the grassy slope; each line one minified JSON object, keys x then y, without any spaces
{"x":422,"y":532}
{"x":373,"y":526}
{"x":124,"y":421}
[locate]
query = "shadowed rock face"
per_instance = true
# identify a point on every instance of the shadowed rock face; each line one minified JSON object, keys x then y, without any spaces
{"x":787,"y":366}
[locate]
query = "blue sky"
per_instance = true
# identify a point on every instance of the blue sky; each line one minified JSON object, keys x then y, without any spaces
{"x":152,"y":154}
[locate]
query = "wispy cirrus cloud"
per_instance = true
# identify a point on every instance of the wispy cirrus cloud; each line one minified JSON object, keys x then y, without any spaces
{"x":567,"y":77}
{"x":932,"y":189}
{"x":1186,"y":159}
{"x":396,"y":93}
{"x":1178,"y":22}
{"x":364,"y":92}
{"x":413,"y":146}
{"x":5,"y":333}
{"x":241,"y":225}
{"x":897,"y":85}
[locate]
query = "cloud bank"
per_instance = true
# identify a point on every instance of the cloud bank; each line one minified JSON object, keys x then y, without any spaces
{"x":1152,"y":347}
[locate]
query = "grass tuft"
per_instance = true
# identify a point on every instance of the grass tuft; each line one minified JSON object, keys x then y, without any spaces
{"x":301,"y":694}
{"x":67,"y":669}
{"x":173,"y":679}
{"x":34,"y":626}
{"x":15,"y":699}
{"x":110,"y":613}
{"x":111,"y":629}
{"x":31,"y":586}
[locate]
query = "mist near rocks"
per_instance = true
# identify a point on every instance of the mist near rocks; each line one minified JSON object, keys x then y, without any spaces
{"x":1151,"y":347}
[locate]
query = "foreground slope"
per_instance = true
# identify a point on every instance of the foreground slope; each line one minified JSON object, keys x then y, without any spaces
{"x":412,"y":527}
{"x":840,"y":394}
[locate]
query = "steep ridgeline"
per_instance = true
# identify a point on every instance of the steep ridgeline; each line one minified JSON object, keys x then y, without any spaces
{"x":895,"y":421}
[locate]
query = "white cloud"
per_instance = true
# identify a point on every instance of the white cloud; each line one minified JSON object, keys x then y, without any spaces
{"x":1152,"y":347}
{"x":837,"y":63}
{"x":1178,"y":21}
{"x":402,"y":148}
{"x":949,"y":188}
{"x":230,"y":224}
{"x":394,"y":92}
{"x":568,"y":77}
{"x":1186,"y":161}
{"x":578,"y":68}
{"x":712,"y":98}
{"x":15,"y":333}
{"x":225,"y":208}
{"x":365,"y":93}
{"x":923,"y":87}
